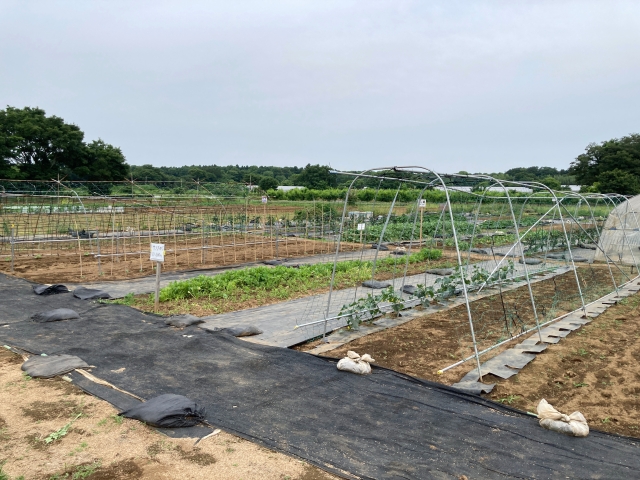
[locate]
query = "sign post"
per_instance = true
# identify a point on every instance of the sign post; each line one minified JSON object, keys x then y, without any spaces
{"x":423,"y":205}
{"x":13,"y":240}
{"x":157,"y":255}
{"x":361,"y":229}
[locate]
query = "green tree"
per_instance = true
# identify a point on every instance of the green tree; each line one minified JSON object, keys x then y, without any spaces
{"x":268,"y":183}
{"x":103,"y":162}
{"x":618,"y":181}
{"x":315,"y":177}
{"x":616,"y":154}
{"x":552,"y":183}
{"x":35,"y":146}
{"x":39,"y":146}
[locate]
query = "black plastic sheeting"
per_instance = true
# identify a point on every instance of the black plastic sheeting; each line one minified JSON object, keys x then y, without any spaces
{"x":84,"y":293}
{"x":52,"y":365}
{"x":55,"y":315}
{"x":168,"y":411}
{"x":384,"y":425}
{"x":49,"y":289}
{"x":239,"y":330}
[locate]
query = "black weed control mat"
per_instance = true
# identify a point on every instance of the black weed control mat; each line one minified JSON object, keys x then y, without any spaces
{"x":385,"y":425}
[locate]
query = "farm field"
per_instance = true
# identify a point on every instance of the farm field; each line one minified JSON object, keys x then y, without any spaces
{"x":591,"y":370}
{"x":69,"y":266}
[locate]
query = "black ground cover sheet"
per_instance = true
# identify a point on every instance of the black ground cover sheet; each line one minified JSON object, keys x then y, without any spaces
{"x":385,"y":425}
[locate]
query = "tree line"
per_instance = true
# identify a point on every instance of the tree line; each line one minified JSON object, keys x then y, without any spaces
{"x":34,"y":146}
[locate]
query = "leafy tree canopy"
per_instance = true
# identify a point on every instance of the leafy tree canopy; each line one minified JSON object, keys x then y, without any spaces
{"x":618,"y":181}
{"x":315,"y":176}
{"x":617,"y":154}
{"x":268,"y":183}
{"x":34,"y":146}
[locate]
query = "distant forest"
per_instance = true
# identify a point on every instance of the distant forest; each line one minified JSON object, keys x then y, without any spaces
{"x":311,"y":176}
{"x":34,"y":146}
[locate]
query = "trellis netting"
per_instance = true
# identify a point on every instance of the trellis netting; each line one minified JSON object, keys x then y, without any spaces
{"x":96,"y":224}
{"x":515,"y":254}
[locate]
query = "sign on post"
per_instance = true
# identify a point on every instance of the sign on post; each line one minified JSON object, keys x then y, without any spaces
{"x":157,"y":252}
{"x":264,"y":199}
{"x":423,"y":203}
{"x":361,"y":229}
{"x":157,"y":255}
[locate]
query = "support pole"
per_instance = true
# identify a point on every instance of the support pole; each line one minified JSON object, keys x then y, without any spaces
{"x":157,"y":299}
{"x":12,"y":247}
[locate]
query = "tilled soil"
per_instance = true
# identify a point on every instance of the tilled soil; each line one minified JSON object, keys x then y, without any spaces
{"x":594,"y":370}
{"x":102,"y":446}
{"x":81,"y":265}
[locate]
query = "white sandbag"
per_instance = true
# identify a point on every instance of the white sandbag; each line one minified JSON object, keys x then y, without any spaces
{"x":551,"y":419}
{"x":355,"y":363}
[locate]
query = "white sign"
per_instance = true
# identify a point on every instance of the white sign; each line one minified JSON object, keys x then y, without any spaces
{"x":264,"y":199}
{"x":423,"y":203}
{"x":361,"y":226}
{"x":157,"y":252}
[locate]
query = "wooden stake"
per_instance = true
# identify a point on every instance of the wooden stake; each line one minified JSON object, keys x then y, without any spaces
{"x":157,"y":302}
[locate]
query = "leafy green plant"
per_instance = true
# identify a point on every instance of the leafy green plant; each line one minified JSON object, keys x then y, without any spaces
{"x":390,"y":295}
{"x":509,"y":399}
{"x":425,"y":294}
{"x":365,"y":308}
{"x":128,"y":299}
{"x":58,"y":434}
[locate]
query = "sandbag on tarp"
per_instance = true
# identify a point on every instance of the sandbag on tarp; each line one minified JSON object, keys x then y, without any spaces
{"x":55,"y":315}
{"x":375,"y":284}
{"x":52,"y":365}
{"x":588,"y":246}
{"x":481,"y":251}
{"x":239,"y":330}
{"x":182,"y":321}
{"x":551,"y":419}
{"x":274,"y":263}
{"x":49,"y":289}
{"x":410,"y":289}
{"x":167,"y":411}
{"x":355,"y":363}
{"x":383,"y":248}
{"x":89,"y":293}
{"x":440,"y":271}
{"x":531,"y":261}
{"x":556,"y":256}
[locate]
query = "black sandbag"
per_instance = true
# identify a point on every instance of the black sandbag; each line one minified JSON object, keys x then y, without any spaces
{"x":580,"y":259}
{"x":55,"y":315}
{"x":49,"y":289}
{"x":440,"y":271}
{"x":399,"y":252}
{"x":167,"y":411}
{"x":481,"y":251}
{"x":239,"y":330}
{"x":182,"y":321}
{"x":531,"y":261}
{"x":274,"y":263}
{"x":90,"y":293}
{"x":556,"y":256}
{"x":375,"y":284}
{"x":409,"y":289}
{"x":588,"y":246}
{"x":383,"y":248}
{"x":52,"y":365}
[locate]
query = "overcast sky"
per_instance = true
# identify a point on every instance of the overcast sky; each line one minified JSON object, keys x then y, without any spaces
{"x":450,"y":85}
